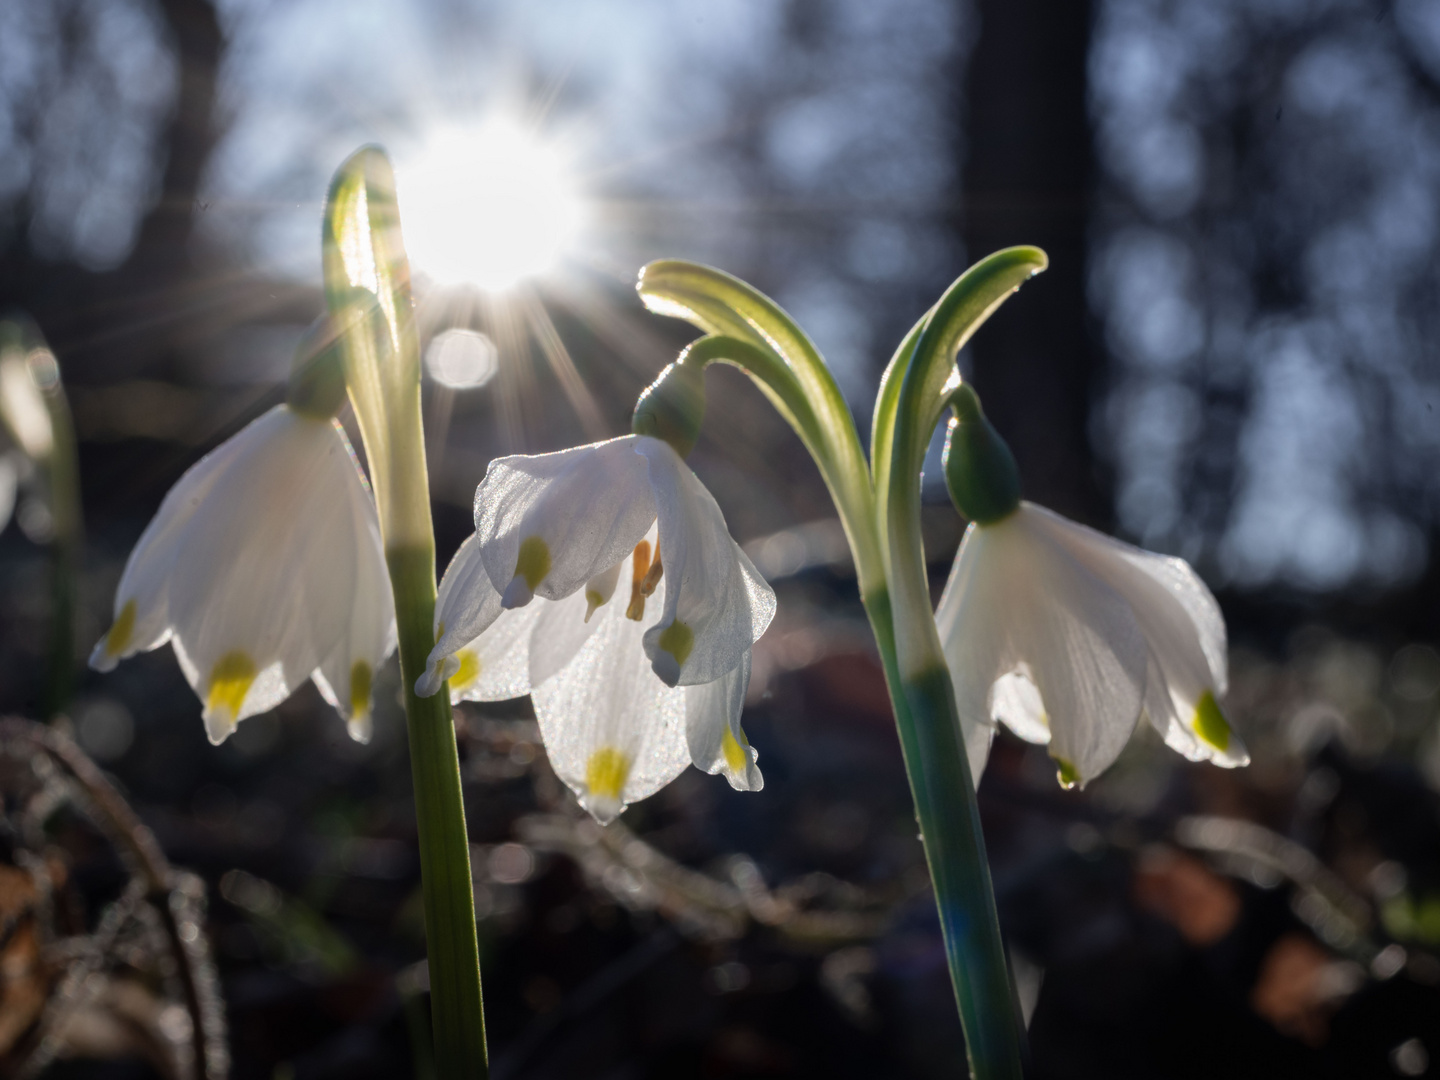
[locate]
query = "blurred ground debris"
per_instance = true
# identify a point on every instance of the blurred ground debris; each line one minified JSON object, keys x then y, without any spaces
{"x":135,"y":982}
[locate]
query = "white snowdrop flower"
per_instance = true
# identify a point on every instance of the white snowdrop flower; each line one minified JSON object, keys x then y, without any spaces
{"x":1068,"y":636}
{"x":1065,"y":635}
{"x":551,"y":523}
{"x":550,"y":597}
{"x":263,"y":568}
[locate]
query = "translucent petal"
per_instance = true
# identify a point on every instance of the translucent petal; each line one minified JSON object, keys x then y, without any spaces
{"x":560,"y":632}
{"x":1017,"y":596}
{"x":712,"y":729}
{"x":966,"y":619}
{"x":495,"y":666}
{"x":613,"y":731}
{"x":489,"y":653}
{"x":1085,"y":649}
{"x":465,"y":606}
{"x":716,"y":604}
{"x":1183,"y":627}
{"x":549,"y":523}
{"x":141,"y":619}
{"x":347,"y":673}
{"x":247,"y":584}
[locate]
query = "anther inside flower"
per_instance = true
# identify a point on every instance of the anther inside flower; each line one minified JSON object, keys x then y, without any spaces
{"x":627,"y":691}
{"x":263,"y":567}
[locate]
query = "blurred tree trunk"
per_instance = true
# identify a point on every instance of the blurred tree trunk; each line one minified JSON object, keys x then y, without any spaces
{"x":1029,"y":172}
{"x":163,"y":241}
{"x":114,"y":324}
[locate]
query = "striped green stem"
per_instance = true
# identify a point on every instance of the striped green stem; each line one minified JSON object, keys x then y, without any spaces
{"x":879,"y":507}
{"x":367,"y":286}
{"x":456,"y":1006}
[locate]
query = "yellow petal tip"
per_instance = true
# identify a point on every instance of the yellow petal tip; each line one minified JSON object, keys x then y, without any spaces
{"x":361,"y":678}
{"x":1067,"y":774}
{"x":677,"y":639}
{"x":737,"y":758}
{"x":118,"y":639}
{"x":606,"y":773}
{"x":230,"y":681}
{"x":1209,"y":723}
{"x":468,"y":671}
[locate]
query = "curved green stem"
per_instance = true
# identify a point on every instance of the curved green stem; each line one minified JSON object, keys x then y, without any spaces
{"x":881,"y":517}
{"x":751,"y":331}
{"x":935,"y":758}
{"x":919,"y":402}
{"x":367,"y":284}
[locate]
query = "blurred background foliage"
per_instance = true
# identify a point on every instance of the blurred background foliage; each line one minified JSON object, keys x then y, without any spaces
{"x":1232,"y":359}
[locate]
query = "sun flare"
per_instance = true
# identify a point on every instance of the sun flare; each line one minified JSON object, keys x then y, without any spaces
{"x":488,"y":204}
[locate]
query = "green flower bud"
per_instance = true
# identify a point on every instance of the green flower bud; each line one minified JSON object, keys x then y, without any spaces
{"x":673,"y":406}
{"x":317,"y":379}
{"x":980,"y":471}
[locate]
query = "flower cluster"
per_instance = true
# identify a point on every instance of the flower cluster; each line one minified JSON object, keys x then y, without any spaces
{"x":552,"y":596}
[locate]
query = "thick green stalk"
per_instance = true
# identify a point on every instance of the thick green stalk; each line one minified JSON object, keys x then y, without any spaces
{"x":879,"y":507}
{"x":456,"y":1007}
{"x":930,"y":730}
{"x":367,"y":285}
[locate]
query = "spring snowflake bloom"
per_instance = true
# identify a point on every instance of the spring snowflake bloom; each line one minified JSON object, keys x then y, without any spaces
{"x":263,"y":568}
{"x":627,"y":693}
{"x":1068,"y":636}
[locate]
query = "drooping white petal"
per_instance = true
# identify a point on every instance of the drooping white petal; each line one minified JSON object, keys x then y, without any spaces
{"x":712,"y":729}
{"x":346,"y":675}
{"x":716,"y":604}
{"x":465,"y":606}
{"x":1085,"y":648}
{"x":614,"y":733}
{"x":489,"y":653}
{"x":967,"y":619}
{"x":251,"y":613}
{"x":549,"y":523}
{"x":1184,"y":631}
{"x":141,"y":617}
{"x":561,"y":629}
{"x":1040,"y":605}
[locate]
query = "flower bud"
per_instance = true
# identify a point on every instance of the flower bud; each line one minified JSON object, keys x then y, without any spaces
{"x":980,"y":471}
{"x":317,"y":379}
{"x":673,"y":406}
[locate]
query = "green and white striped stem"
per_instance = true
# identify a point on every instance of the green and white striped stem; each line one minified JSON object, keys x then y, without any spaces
{"x":879,"y":507}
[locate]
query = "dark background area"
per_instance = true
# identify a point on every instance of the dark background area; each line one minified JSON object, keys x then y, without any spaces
{"x":1231,"y":359}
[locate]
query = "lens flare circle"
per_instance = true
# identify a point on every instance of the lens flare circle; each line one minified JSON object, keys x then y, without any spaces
{"x":488,"y":205}
{"x":462,"y":359}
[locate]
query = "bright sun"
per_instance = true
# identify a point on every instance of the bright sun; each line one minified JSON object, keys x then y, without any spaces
{"x":490,"y":205}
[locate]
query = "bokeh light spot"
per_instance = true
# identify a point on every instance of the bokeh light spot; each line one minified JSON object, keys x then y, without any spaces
{"x":461,"y":359}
